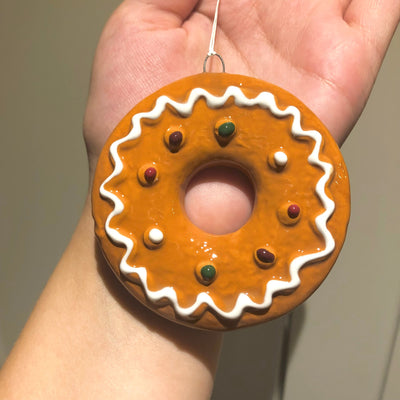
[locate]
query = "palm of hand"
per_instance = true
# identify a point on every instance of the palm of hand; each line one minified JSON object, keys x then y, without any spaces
{"x":316,"y":50}
{"x":327,"y":53}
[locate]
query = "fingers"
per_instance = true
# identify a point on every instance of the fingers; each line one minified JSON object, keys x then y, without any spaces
{"x":181,"y":8}
{"x":377,"y":19}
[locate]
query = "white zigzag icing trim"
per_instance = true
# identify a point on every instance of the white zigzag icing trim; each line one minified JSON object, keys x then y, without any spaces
{"x":264,"y":100}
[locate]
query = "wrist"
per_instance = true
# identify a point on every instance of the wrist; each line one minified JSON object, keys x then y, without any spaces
{"x":86,"y":324}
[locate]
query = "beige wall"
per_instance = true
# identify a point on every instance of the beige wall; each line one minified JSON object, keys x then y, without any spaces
{"x":340,"y":340}
{"x":46,"y":49}
{"x":342,"y":350}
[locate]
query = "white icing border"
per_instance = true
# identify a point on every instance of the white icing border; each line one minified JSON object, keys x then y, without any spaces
{"x":264,"y":100}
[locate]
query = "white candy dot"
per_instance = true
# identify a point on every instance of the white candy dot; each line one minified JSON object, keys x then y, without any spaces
{"x":280,"y":158}
{"x":156,"y":236}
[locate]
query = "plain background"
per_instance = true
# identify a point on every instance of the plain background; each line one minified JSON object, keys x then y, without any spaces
{"x":341,"y":343}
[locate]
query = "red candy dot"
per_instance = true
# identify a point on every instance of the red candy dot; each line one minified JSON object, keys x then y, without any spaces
{"x":150,"y":174}
{"x":293,"y":211}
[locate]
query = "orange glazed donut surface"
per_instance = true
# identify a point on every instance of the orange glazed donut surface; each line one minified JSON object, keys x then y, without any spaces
{"x":264,"y":269}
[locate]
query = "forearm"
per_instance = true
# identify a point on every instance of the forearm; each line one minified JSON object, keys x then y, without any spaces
{"x":87,"y":338}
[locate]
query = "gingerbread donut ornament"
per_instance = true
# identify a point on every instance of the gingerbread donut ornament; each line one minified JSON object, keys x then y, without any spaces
{"x":272,"y":263}
{"x":300,"y":214}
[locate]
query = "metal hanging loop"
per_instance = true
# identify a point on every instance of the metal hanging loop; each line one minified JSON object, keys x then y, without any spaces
{"x":213,"y":55}
{"x":211,"y":50}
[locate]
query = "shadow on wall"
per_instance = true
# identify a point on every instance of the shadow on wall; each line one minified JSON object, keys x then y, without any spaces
{"x":254,"y":360}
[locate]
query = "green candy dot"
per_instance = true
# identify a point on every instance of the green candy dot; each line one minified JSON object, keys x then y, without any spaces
{"x":208,"y":272}
{"x":226,"y":129}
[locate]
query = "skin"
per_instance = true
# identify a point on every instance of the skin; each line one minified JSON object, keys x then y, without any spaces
{"x":87,"y":338}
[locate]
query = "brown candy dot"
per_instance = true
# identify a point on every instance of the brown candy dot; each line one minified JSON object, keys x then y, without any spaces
{"x":293,"y":211}
{"x":150,"y":174}
{"x":265,"y":256}
{"x":175,"y":139}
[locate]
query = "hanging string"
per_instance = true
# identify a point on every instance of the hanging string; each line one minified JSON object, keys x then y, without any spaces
{"x":211,"y":49}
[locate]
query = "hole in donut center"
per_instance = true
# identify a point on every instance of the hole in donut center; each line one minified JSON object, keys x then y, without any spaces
{"x":219,"y":199}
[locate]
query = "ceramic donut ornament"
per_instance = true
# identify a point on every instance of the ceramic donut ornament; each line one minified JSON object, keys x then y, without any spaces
{"x":272,"y":263}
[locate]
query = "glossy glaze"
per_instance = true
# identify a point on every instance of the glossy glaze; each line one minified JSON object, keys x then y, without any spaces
{"x":267,"y":120}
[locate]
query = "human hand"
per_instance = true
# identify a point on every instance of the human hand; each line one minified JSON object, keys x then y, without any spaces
{"x":326,"y":53}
